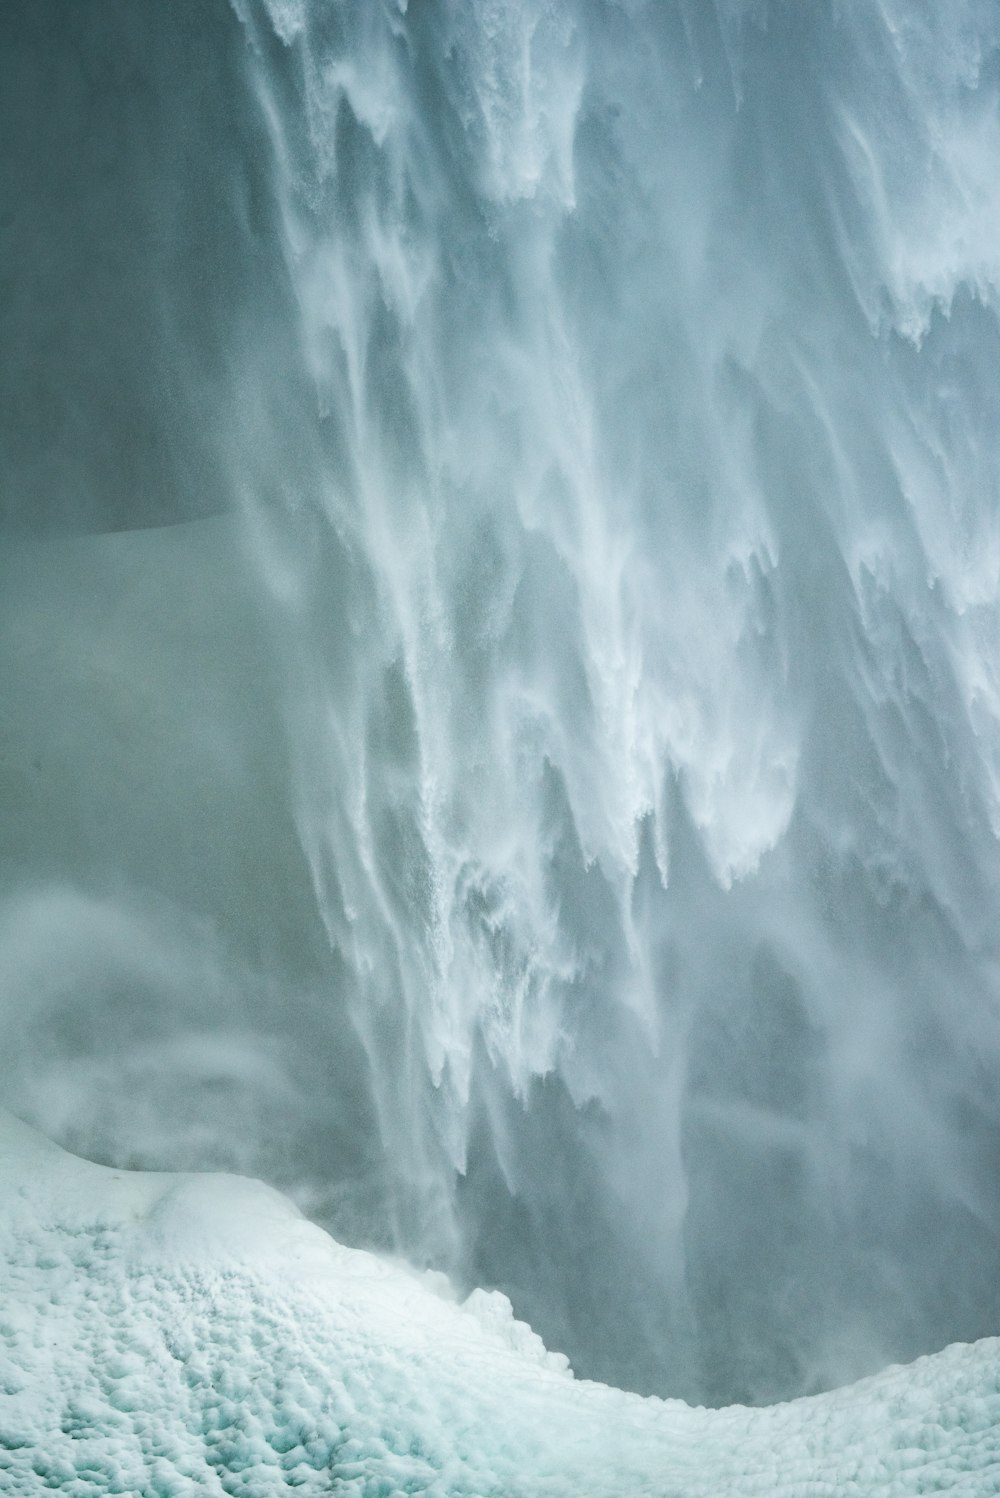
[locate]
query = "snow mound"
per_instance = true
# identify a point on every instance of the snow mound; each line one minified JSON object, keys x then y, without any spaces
{"x":168,"y":1336}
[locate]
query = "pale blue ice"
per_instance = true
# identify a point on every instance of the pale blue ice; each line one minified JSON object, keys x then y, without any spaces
{"x":172,"y":1336}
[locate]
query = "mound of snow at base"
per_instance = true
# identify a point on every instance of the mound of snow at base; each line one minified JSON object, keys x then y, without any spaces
{"x":181,"y":1335}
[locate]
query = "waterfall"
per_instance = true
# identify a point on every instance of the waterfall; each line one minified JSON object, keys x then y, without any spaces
{"x":500,"y":591}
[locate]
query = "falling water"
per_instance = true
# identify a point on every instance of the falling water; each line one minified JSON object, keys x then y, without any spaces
{"x":501,"y":650}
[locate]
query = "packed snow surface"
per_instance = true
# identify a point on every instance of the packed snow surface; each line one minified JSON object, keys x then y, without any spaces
{"x":171,"y":1335}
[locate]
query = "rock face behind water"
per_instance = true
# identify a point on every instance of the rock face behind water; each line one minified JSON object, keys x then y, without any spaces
{"x":537,"y":801}
{"x":176,"y":1335}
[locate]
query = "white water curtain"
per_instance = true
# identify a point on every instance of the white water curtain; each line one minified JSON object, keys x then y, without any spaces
{"x":549,"y":821}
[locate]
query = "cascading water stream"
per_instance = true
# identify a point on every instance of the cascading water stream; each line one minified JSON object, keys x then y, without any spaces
{"x":546,"y":817}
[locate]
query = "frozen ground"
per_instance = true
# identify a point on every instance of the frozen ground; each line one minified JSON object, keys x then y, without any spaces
{"x":181,"y":1335}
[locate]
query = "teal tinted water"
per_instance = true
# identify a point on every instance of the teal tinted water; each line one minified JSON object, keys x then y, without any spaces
{"x":549,"y":822}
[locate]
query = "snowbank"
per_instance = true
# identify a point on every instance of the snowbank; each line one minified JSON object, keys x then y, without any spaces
{"x":180,"y":1335}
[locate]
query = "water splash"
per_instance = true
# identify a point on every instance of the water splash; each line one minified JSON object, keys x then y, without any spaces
{"x":605,"y":402}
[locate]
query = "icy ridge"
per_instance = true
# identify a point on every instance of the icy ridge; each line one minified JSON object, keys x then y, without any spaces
{"x":177,"y":1335}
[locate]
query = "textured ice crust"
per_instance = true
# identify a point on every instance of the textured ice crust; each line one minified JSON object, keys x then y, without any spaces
{"x":182,"y":1335}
